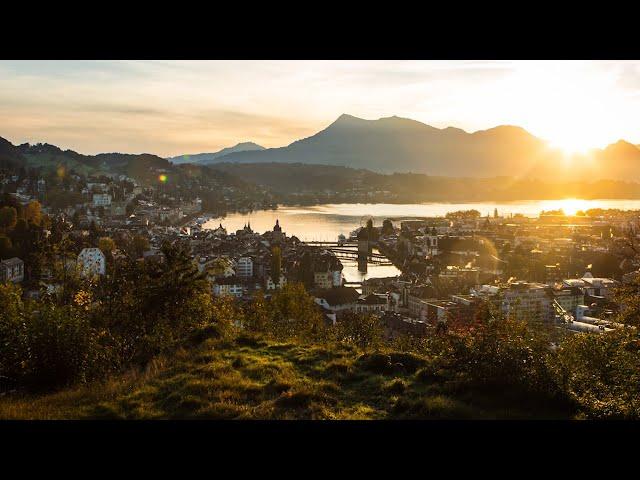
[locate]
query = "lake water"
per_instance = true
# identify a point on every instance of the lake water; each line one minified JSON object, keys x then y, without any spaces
{"x":326,"y":222}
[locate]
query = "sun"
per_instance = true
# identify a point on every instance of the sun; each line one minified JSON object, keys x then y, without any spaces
{"x":570,"y":206}
{"x":570,"y":143}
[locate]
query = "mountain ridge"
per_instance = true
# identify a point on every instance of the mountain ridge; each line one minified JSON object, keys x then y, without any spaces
{"x":205,"y":158}
{"x":388,"y":145}
{"x":397,"y":144}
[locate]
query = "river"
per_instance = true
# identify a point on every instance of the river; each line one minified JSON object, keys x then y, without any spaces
{"x":326,"y":222}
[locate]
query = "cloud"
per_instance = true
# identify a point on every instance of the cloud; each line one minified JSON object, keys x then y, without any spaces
{"x":174,"y":107}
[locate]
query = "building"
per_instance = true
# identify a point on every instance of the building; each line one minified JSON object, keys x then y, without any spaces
{"x":441,"y":311}
{"x":153,"y":255}
{"x":468,"y":275}
{"x":269,"y":284}
{"x":278,"y":234}
{"x":101,"y":199}
{"x":430,"y":244}
{"x":527,"y":301}
{"x":219,"y":231}
{"x":12,"y":270}
{"x":324,"y":279}
{"x":374,"y":302}
{"x":397,"y":325}
{"x":219,"y":267}
{"x":227,"y":286}
{"x":569,"y":298}
{"x":417,"y":298}
{"x":338,"y":300}
{"x":92,"y":261}
{"x":593,"y":287}
{"x":244,"y":267}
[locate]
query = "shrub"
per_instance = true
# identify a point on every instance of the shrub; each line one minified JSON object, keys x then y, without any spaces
{"x":504,"y":353}
{"x":409,"y":361}
{"x":426,"y":408}
{"x":395,"y":386}
{"x":363,"y":330}
{"x":601,"y":373}
{"x":375,"y":362}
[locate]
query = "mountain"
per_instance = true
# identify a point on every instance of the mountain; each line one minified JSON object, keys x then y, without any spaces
{"x":144,"y":167}
{"x":205,"y":158}
{"x":10,"y":156}
{"x":395,"y":144}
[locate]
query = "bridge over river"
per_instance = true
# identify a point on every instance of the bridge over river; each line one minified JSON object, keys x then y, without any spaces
{"x":342,"y":251}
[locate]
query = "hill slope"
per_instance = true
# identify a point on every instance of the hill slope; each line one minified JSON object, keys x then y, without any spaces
{"x":252,"y":378}
{"x":143,"y":167}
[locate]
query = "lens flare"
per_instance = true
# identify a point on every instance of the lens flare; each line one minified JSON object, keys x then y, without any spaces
{"x":163,"y":178}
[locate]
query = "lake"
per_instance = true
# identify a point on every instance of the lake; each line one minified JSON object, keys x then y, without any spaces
{"x":326,"y":222}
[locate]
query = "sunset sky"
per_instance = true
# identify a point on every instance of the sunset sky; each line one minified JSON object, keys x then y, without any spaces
{"x":174,"y":107}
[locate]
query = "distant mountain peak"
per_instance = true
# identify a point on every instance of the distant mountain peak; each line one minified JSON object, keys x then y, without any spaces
{"x":249,"y":144}
{"x":346,"y":119}
{"x":204,"y":158}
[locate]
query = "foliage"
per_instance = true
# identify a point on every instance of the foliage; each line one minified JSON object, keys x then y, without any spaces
{"x":8,"y":217}
{"x":294,"y":314}
{"x":601,"y":373}
{"x":503,"y":353}
{"x":362,"y":330}
{"x":464,"y":214}
{"x":628,"y":297}
{"x":106,"y":245}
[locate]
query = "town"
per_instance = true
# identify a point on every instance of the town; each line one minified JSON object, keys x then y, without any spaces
{"x":559,"y":270}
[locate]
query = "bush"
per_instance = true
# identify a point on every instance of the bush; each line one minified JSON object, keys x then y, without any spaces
{"x":601,"y":373}
{"x":64,"y":349}
{"x":362,"y":330}
{"x":427,"y":408}
{"x":375,"y":362}
{"x":504,"y":353}
{"x":409,"y":361}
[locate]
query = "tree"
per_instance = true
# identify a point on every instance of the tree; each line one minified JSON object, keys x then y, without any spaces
{"x":12,"y":338}
{"x":6,"y":249}
{"x":170,"y":284}
{"x":627,"y":296}
{"x":294,"y":313}
{"x":106,"y":245}
{"x":276,"y":264}
{"x":33,"y":213}
{"x":463,"y":214}
{"x":387,"y":227}
{"x":139,"y":244}
{"x":257,"y":316}
{"x":601,"y":373}
{"x":363,"y":330}
{"x":8,"y":217}
{"x":503,"y":353}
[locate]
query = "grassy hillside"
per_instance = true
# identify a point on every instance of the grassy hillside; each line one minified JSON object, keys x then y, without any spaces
{"x":254,"y":378}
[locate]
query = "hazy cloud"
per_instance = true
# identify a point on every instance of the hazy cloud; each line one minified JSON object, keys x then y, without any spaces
{"x":173,"y":107}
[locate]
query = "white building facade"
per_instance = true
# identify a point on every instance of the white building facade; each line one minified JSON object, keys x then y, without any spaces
{"x":244,"y":268}
{"x":92,"y":261}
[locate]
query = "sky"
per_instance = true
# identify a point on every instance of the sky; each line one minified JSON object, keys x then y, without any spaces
{"x":183,"y":107}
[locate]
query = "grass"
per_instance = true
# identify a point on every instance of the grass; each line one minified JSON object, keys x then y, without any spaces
{"x":254,"y":378}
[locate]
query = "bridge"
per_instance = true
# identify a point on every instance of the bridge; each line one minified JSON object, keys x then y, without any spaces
{"x":346,"y":243}
{"x":339,"y":250}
